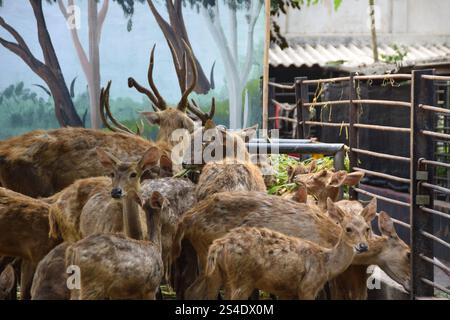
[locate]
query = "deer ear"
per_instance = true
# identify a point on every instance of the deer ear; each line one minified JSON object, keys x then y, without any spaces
{"x":150,"y":158}
{"x":370,"y":211}
{"x":107,"y":160}
{"x":209,"y":124}
{"x":338,"y":178}
{"x":353,"y":178}
{"x":165,"y":163}
{"x":386,"y":225}
{"x":248,"y":133}
{"x":312,"y":166}
{"x":152,"y":117}
{"x":157,"y":200}
{"x":334,"y":211}
{"x":7,"y":281}
{"x":301,"y":194}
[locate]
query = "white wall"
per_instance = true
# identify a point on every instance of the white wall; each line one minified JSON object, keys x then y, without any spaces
{"x":402,"y":21}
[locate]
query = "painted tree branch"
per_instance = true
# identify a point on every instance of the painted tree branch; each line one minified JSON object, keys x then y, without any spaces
{"x":175,"y":32}
{"x":49,"y":71}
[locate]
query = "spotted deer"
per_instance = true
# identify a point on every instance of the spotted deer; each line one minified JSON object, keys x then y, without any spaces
{"x":247,"y":258}
{"x":213,"y":217}
{"x":24,"y":230}
{"x":118,"y":266}
{"x":7,"y":283}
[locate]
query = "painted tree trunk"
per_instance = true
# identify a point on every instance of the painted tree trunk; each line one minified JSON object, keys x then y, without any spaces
{"x":94,"y":59}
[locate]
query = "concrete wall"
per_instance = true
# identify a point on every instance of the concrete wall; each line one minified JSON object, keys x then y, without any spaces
{"x":399,"y":21}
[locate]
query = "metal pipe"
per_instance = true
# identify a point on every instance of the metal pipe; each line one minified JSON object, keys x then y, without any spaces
{"x":384,"y":102}
{"x":255,"y":140}
{"x":382,"y":175}
{"x":436,"y":163}
{"x":326,"y":124}
{"x":381,"y":155}
{"x":432,"y":211}
{"x":435,"y":109}
{"x":436,"y":134}
{"x":381,"y":128}
{"x":312,"y":81}
{"x":441,"y":266}
{"x":370,"y":194}
{"x":303,"y":148}
{"x":432,"y":77}
{"x":438,"y":240}
{"x":435,"y":187}
{"x":384,"y":76}
{"x":282,"y":86}
{"x":324,"y":103}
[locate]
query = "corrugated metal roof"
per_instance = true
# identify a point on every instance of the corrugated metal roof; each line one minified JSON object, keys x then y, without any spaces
{"x":353,"y":55}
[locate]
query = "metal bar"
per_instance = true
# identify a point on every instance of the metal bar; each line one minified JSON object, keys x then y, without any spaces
{"x":303,"y":148}
{"x":353,"y":141}
{"x":441,"y":266}
{"x":435,"y":109}
{"x":433,"y":77}
{"x":300,"y":133}
{"x":382,"y":175}
{"x":325,"y":103}
{"x":435,"y":187}
{"x":384,"y":76}
{"x":274,"y":140}
{"x":381,"y":155}
{"x":435,"y":285}
{"x":422,"y":92}
{"x":284,"y":105}
{"x":384,"y":102}
{"x":282,"y":86}
{"x":326,"y":124}
{"x":283,"y":118}
{"x":304,"y":88}
{"x":370,"y":194}
{"x":436,"y":163}
{"x":439,"y":213}
{"x":435,"y":134}
{"x":433,"y":237}
{"x":326,"y":80}
{"x":382,"y":128}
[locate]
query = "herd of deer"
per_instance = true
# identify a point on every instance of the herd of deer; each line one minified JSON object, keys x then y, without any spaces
{"x":108,"y":203}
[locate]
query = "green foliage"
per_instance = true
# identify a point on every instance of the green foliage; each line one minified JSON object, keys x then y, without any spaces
{"x":398,"y":56}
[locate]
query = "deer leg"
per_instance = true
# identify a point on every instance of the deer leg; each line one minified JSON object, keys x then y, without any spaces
{"x":26,"y":280}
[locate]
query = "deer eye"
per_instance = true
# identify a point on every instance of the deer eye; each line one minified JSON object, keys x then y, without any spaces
{"x":368,"y":229}
{"x":348,"y":230}
{"x":408,"y":255}
{"x":112,"y":175}
{"x":133,"y":175}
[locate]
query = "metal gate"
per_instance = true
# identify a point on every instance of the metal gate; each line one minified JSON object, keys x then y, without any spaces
{"x":427,"y":200}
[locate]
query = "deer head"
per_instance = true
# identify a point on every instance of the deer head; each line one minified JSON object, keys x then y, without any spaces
{"x":175,"y":117}
{"x":126,"y":175}
{"x":326,"y":183}
{"x":355,"y":228}
{"x":213,"y":142}
{"x":394,"y":258}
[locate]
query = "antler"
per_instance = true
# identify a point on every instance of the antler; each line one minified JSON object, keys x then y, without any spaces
{"x":155,"y":97}
{"x":203,"y":116}
{"x":105,"y":113}
{"x":182,"y":105}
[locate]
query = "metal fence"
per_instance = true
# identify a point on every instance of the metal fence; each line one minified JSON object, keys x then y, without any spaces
{"x":429,"y":142}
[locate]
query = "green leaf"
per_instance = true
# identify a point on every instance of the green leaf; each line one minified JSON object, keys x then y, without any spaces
{"x":19,"y":89}
{"x":337,"y":4}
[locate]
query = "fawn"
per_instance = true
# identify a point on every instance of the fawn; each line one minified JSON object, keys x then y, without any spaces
{"x":248,"y":258}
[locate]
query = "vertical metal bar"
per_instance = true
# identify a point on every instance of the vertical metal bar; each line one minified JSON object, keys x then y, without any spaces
{"x":305,"y":111}
{"x":352,"y":131}
{"x":300,"y":134}
{"x":270,"y":104}
{"x":421,"y":146}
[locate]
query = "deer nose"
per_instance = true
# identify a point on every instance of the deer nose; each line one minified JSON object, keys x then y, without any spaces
{"x":116,"y":193}
{"x":362,"y":247}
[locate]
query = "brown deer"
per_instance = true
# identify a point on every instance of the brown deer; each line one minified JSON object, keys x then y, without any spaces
{"x":24,"y":230}
{"x":213,"y":217}
{"x":50,"y":278}
{"x":248,"y":258}
{"x":115,"y":266}
{"x":41,"y":163}
{"x":7,"y":283}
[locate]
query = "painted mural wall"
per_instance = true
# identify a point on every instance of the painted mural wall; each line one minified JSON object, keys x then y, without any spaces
{"x":97,"y":41}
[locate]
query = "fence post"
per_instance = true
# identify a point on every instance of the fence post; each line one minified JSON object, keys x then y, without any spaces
{"x":421,"y":147}
{"x":270,"y":104}
{"x":301,"y":95}
{"x":352,"y":131}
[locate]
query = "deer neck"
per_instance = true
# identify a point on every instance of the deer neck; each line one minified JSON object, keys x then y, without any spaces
{"x":131,"y":217}
{"x":154,"y":228}
{"x":376,"y":245}
{"x":339,"y":258}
